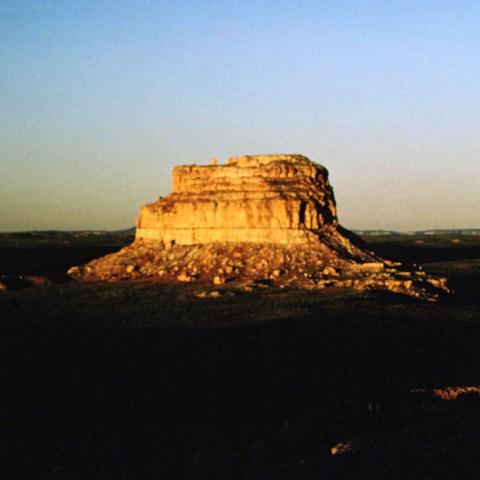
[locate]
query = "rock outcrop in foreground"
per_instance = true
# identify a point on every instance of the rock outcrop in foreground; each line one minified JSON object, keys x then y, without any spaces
{"x":266,"y":219}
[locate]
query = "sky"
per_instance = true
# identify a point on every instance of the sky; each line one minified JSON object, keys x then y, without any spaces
{"x":100,"y":99}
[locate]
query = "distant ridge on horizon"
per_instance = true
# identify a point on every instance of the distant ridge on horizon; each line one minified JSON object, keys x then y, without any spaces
{"x":434,"y":231}
{"x":131,"y":231}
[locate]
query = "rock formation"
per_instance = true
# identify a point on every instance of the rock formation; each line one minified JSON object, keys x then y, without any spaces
{"x":257,"y":219}
{"x":282,"y":199}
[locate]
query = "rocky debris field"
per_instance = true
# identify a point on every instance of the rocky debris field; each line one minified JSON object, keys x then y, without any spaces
{"x":254,"y":265}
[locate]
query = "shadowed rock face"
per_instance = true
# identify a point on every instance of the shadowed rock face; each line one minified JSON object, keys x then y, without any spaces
{"x":257,"y":218}
{"x":267,"y":198}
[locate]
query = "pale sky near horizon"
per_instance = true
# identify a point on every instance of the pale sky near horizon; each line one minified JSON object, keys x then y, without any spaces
{"x":100,"y":99}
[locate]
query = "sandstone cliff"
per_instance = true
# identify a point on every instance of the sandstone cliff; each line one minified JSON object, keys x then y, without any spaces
{"x":256,"y":220}
{"x":267,"y":199}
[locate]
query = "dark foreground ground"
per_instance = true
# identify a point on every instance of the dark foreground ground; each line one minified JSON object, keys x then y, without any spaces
{"x":140,"y":381}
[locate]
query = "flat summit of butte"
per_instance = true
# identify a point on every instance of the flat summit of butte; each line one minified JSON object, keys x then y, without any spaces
{"x":257,"y":220}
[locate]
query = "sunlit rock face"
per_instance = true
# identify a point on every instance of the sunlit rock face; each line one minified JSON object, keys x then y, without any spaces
{"x":284,"y":199}
{"x":263,"y":219}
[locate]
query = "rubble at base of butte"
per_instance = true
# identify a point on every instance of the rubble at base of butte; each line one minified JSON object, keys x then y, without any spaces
{"x":257,"y":220}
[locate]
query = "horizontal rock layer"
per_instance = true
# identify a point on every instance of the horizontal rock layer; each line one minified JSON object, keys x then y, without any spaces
{"x":267,"y":199}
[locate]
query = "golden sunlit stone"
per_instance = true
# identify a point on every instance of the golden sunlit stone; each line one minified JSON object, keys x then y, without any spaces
{"x":265,"y":198}
{"x":258,"y":220}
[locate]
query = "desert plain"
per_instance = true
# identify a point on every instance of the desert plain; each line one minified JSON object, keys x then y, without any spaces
{"x":142,"y":379}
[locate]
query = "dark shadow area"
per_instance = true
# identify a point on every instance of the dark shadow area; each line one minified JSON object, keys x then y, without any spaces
{"x":147,"y":381}
{"x":49,"y":260}
{"x":424,"y":253}
{"x":354,"y":238}
{"x":466,"y":287}
{"x":117,"y":394}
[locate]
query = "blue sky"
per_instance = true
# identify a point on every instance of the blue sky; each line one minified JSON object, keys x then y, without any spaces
{"x":100,"y":99}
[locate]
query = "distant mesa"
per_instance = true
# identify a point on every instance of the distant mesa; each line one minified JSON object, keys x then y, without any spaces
{"x":282,"y":199}
{"x":258,"y":199}
{"x":261,"y":219}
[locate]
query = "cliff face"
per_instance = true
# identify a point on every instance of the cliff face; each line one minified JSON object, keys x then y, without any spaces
{"x":283,"y":199}
{"x":264,"y":219}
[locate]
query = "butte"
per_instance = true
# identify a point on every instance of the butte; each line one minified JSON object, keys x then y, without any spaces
{"x":257,"y":220}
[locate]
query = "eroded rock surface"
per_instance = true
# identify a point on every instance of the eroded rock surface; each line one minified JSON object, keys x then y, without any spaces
{"x":267,"y":219}
{"x":268,"y":198}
